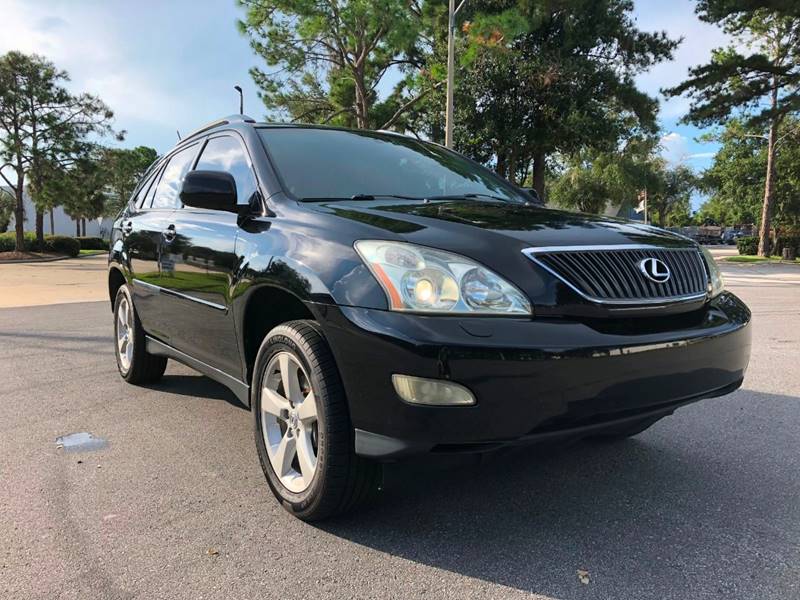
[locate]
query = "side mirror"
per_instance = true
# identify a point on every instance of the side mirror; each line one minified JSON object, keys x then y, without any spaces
{"x":213,"y":190}
{"x":534,"y":195}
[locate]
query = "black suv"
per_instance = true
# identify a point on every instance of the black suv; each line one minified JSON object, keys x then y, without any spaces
{"x":371,"y":296}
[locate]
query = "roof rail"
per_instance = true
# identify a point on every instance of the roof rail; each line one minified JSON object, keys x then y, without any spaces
{"x":239,"y":119}
{"x":218,"y":122}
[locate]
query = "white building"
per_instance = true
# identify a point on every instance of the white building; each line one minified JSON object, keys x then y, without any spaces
{"x":62,"y":224}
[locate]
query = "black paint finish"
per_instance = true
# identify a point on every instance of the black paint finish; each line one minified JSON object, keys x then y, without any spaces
{"x":197,"y":275}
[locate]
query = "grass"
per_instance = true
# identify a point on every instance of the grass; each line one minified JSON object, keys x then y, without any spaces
{"x":749,"y":259}
{"x":92,"y":252}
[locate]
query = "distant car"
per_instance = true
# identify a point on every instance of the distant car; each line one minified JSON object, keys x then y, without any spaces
{"x":729,"y":237}
{"x":371,"y":296}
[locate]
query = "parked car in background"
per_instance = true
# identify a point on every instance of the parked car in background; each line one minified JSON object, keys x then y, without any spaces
{"x":371,"y":297}
{"x":729,"y":236}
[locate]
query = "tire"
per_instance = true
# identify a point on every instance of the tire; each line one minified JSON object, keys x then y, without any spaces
{"x":324,"y":477}
{"x":136,"y":365}
{"x":624,"y":432}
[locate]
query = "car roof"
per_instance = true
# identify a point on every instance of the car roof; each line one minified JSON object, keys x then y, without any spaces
{"x":246,"y":120}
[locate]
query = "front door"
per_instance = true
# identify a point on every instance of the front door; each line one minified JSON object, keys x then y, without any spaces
{"x":203,"y":265}
{"x":148,"y":231}
{"x":196,"y":286}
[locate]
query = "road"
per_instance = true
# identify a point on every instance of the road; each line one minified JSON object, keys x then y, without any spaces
{"x":706,"y":504}
{"x":43,"y":283}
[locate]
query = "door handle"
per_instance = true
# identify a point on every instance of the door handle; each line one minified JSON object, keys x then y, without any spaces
{"x":169,"y":233}
{"x":127,"y":228}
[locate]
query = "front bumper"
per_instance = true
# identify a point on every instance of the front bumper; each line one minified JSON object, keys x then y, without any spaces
{"x":533,"y":378}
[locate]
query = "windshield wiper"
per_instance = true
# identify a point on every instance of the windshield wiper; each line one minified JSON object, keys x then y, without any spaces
{"x":376,"y":196}
{"x":358,"y":197}
{"x":470,"y":195}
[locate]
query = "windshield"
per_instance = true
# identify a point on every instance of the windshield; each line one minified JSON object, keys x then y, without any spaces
{"x":317,"y":164}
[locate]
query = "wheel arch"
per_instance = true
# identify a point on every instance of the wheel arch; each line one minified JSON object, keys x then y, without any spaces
{"x":266,"y":307}
{"x":116,"y":280}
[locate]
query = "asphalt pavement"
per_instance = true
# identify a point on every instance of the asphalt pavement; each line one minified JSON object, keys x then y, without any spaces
{"x":706,"y":504}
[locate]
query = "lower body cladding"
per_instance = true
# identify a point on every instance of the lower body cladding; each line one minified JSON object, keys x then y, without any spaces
{"x":532,"y":379}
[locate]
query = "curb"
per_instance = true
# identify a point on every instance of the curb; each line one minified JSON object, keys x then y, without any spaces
{"x":46,"y":260}
{"x":758,"y":263}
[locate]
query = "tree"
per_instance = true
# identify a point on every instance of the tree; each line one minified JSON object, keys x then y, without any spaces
{"x":83,"y":187}
{"x":553,"y":77}
{"x":738,"y":84}
{"x":590,"y":180}
{"x":41,"y":124}
{"x":6,"y":209}
{"x":670,"y":201}
{"x":125,"y":167}
{"x":330,"y":56}
{"x":735,"y":180}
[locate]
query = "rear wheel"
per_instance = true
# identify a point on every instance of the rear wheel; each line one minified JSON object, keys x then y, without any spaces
{"x":303,"y":432}
{"x":135,"y":363}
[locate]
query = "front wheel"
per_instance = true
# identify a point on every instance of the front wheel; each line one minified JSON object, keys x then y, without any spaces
{"x":303,"y":432}
{"x":135,"y":363}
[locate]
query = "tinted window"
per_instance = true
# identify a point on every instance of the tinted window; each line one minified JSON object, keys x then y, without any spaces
{"x":170,"y":185}
{"x":138,"y":201}
{"x":330,"y":163}
{"x":226,"y":154}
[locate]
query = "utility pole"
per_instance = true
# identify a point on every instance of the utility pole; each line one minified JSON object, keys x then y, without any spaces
{"x":642,"y":206}
{"x":646,"y":222}
{"x":451,"y":64}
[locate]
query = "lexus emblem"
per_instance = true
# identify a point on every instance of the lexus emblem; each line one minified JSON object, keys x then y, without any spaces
{"x":654,"y":269}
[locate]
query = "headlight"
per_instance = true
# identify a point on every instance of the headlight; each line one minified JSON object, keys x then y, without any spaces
{"x":420,"y":279}
{"x":715,"y":282}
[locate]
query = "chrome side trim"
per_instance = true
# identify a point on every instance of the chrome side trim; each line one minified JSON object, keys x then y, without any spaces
{"x":632,"y":302}
{"x":153,"y":288}
{"x":160,"y":290}
{"x":241,"y":389}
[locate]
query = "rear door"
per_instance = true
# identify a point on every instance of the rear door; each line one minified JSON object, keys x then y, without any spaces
{"x":204,"y":264}
{"x":145,"y":240}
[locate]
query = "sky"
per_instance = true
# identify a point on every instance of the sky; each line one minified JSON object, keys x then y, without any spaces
{"x":170,"y":65}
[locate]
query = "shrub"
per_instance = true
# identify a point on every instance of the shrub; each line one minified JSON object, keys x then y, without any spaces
{"x":747,"y":245}
{"x":62,"y":244}
{"x":8,"y":241}
{"x":53,"y":244}
{"x":93,"y":243}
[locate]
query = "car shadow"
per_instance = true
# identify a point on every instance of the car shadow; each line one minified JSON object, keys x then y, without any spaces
{"x":196,"y":385}
{"x":660,"y":515}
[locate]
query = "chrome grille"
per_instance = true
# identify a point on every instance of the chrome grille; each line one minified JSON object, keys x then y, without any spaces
{"x":611,"y":274}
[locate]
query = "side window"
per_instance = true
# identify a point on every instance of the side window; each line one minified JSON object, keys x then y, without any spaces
{"x":226,"y":154}
{"x":169,"y":187}
{"x":138,"y":201}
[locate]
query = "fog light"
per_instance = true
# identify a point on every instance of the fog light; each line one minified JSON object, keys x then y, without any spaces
{"x":436,"y":392}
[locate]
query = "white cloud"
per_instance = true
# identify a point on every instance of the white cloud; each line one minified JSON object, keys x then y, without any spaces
{"x":88,"y":45}
{"x":678,"y":19}
{"x":701,"y":155}
{"x":133,"y":96}
{"x":675,"y":147}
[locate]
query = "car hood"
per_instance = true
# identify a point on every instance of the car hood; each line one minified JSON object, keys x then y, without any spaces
{"x":452,"y":224}
{"x":495,"y":235}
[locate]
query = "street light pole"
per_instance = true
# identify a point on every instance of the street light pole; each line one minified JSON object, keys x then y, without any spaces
{"x":241,"y":99}
{"x":452,"y":11}
{"x":451,"y":47}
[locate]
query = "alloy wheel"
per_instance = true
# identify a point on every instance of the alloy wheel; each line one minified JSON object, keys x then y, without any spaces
{"x":125,"y":333}
{"x":289,"y":422}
